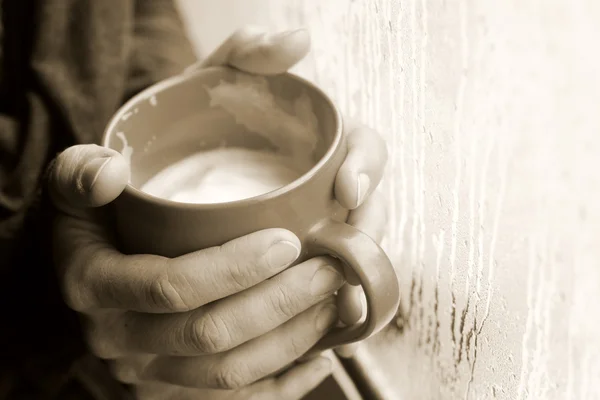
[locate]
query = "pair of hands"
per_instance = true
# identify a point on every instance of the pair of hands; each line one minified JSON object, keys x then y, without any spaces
{"x":218,"y":323}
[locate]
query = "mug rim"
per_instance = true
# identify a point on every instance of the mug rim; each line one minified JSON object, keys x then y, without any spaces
{"x":158,"y":87}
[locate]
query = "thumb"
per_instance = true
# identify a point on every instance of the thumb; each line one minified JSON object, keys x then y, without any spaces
{"x":86,"y":176}
{"x":254,"y":50}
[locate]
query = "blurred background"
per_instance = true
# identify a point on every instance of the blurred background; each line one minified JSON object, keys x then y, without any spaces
{"x":492,"y":112}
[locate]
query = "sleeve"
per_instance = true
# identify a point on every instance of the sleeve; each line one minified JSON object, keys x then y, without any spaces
{"x":161,"y":47}
{"x":41,"y":113}
{"x":80,"y":77}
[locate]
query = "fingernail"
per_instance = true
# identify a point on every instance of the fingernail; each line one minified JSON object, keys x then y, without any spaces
{"x":326,"y":280}
{"x":363,"y":307}
{"x":282,"y":254}
{"x":363,"y":184}
{"x":92,"y":171}
{"x":327,"y":317}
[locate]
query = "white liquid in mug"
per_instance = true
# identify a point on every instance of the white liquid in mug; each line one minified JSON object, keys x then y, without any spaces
{"x":230,"y":174}
{"x":223,"y":175}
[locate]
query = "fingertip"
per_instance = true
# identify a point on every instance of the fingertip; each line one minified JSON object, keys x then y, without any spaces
{"x":74,"y":172}
{"x":294,"y":44}
{"x":277,"y":248}
{"x":363,"y":167}
{"x":288,"y":49}
{"x":347,"y":351}
{"x":278,"y":235}
{"x":109,"y":180}
{"x":346,"y":187}
{"x":246,"y":34}
{"x":349,"y":304}
{"x":269,"y":54}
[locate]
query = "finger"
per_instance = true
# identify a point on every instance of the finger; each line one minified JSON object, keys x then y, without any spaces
{"x":95,"y":275}
{"x":224,"y":324}
{"x":294,"y":384}
{"x":363,"y":167}
{"x":254,"y":50}
{"x":349,"y":304}
{"x":126,"y":369}
{"x":86,"y":176}
{"x":163,"y":391}
{"x":371,"y":216}
{"x":347,"y":350}
{"x":250,"y":361}
{"x":371,"y":219}
{"x":352,"y":306}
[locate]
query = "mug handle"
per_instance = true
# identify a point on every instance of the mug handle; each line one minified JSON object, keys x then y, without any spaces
{"x":374,"y":270}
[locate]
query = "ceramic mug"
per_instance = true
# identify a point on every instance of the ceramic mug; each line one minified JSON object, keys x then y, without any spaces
{"x":174,"y":119}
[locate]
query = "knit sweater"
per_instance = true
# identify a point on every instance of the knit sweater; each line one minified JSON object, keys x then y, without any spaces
{"x":65,"y":68}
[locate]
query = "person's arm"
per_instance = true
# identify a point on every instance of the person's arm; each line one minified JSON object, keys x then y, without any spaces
{"x":68,"y":53}
{"x":161,"y":47}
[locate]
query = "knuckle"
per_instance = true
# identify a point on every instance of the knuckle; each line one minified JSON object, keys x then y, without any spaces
{"x":238,"y":260}
{"x":71,"y":293}
{"x":238,"y":275}
{"x":297,"y":347}
{"x":208,"y":334}
{"x":229,"y":376}
{"x":78,"y":274}
{"x":66,"y":158}
{"x":123,"y":371}
{"x":238,"y":278}
{"x":100,"y":343}
{"x":73,"y":287}
{"x":284,"y":302}
{"x":66,"y":166}
{"x":165,"y":294}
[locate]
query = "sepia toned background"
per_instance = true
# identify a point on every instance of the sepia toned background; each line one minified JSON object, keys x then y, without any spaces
{"x":492,"y":112}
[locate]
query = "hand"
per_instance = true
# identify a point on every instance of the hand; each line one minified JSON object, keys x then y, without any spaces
{"x":252,"y":50}
{"x":143,"y":311}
